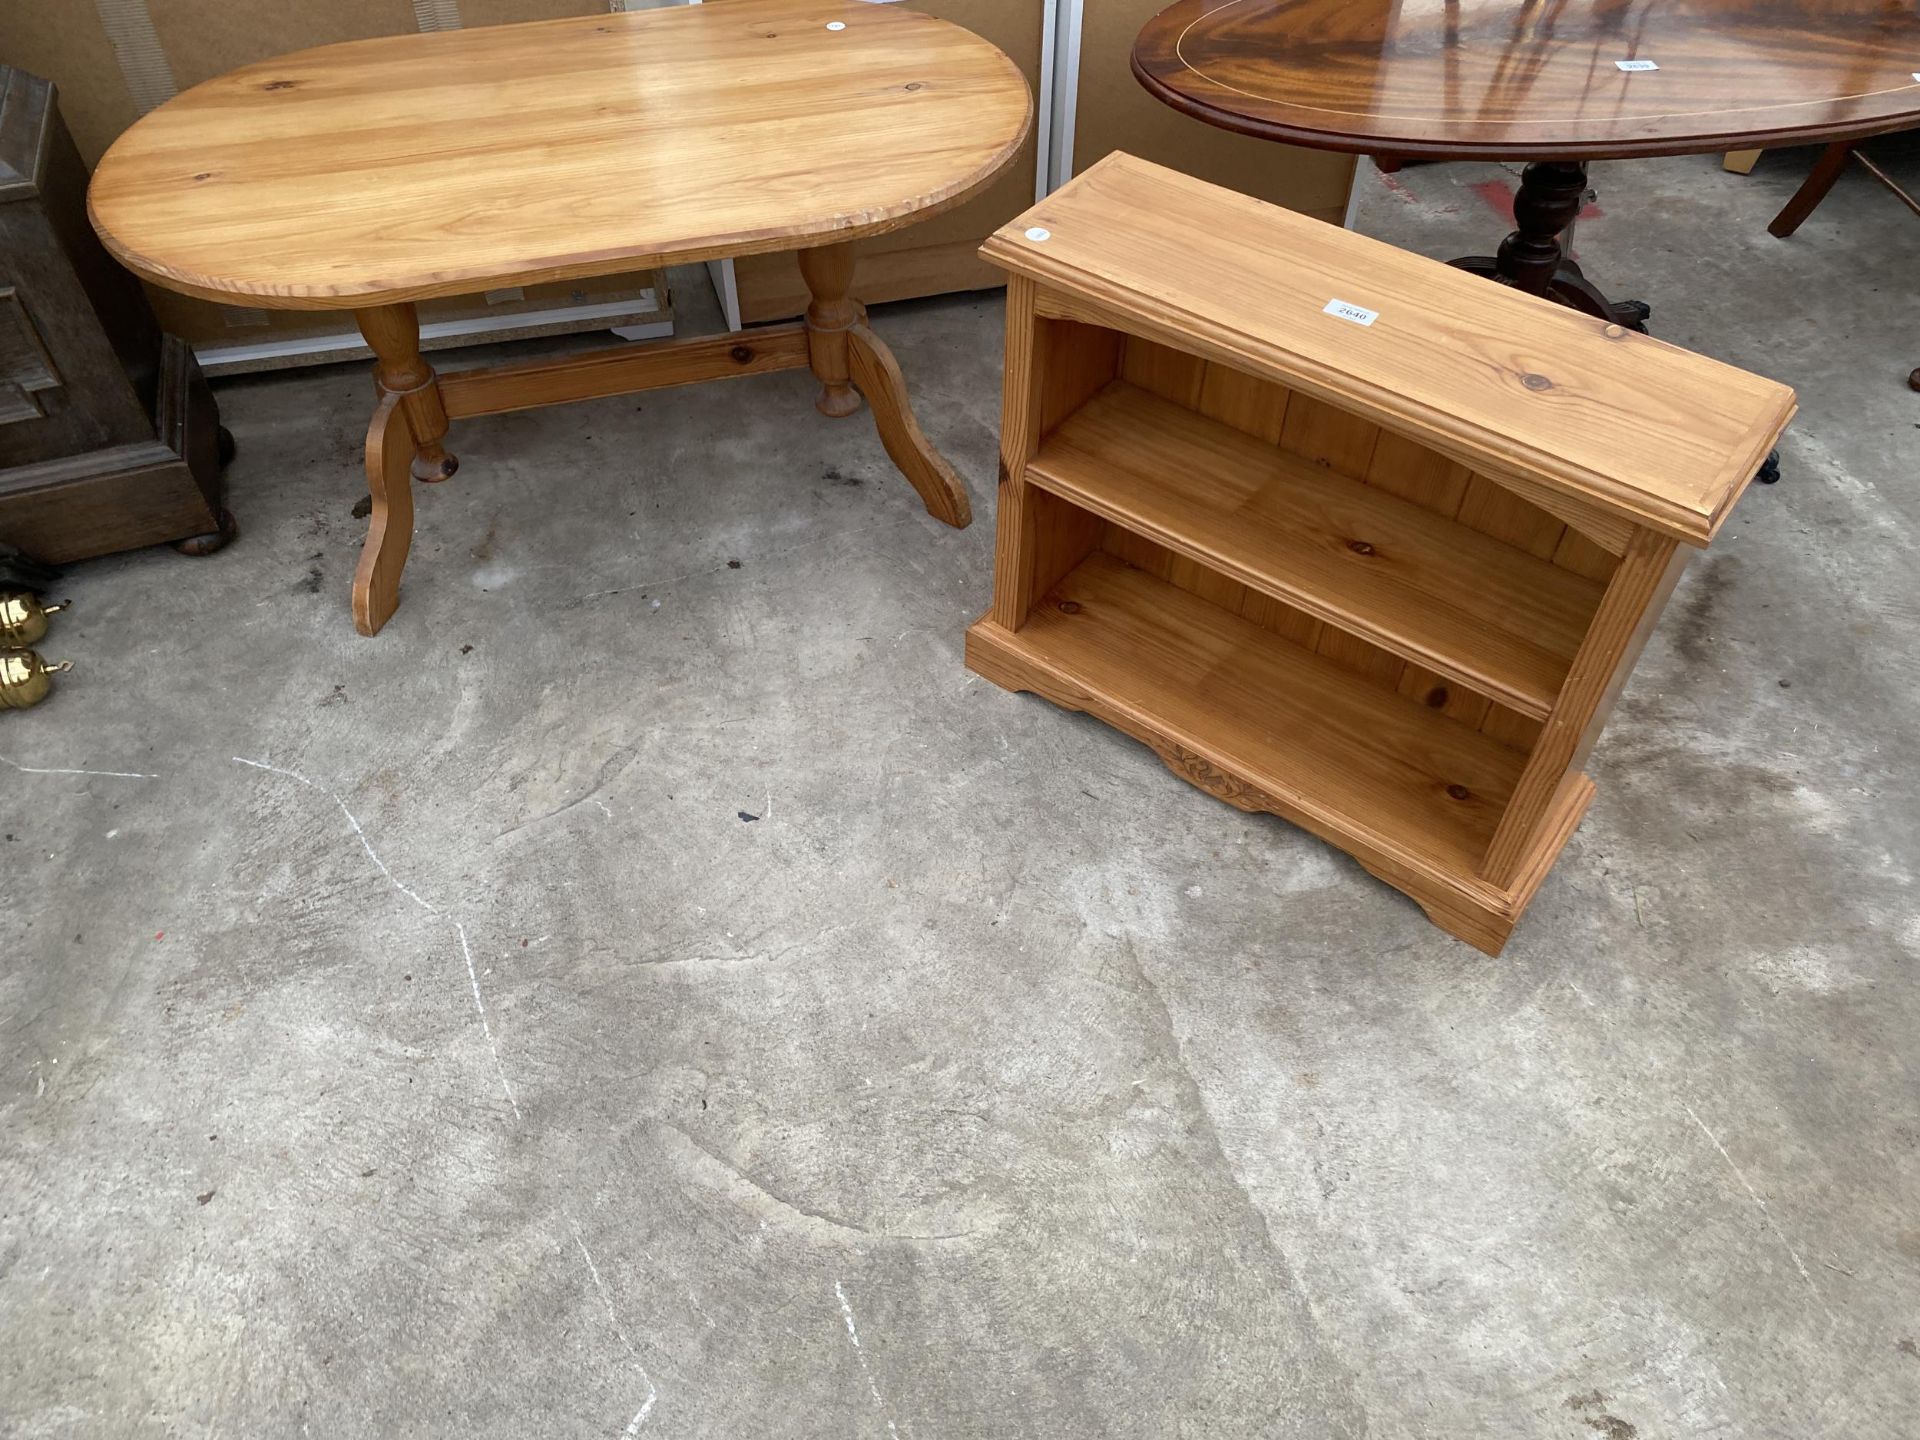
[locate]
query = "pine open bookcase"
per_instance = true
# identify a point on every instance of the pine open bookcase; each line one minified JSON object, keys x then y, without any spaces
{"x":1345,"y":535}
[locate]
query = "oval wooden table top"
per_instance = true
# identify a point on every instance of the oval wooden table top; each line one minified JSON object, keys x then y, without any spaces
{"x":1538,"y":79}
{"x":455,"y":161}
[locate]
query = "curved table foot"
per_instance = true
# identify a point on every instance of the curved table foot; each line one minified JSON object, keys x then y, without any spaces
{"x":877,"y":376}
{"x":1570,"y":287}
{"x":390,"y":454}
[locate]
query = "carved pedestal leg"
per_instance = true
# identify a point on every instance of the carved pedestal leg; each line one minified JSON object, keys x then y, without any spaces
{"x":394,"y":333}
{"x":847,"y":356}
{"x":390,"y":456}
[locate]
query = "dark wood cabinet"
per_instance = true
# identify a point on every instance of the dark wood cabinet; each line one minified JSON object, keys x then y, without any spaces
{"x":109,"y":437}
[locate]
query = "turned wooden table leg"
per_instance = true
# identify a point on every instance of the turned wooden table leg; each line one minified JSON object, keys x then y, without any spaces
{"x":828,"y":271}
{"x":394,"y":333}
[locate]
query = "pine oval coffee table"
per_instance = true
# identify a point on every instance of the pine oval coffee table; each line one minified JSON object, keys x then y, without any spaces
{"x":371,"y":175}
{"x":1555,"y":84}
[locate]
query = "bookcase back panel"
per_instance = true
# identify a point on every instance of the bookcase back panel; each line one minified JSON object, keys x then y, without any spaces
{"x":1357,"y":448}
{"x":1075,"y":362}
{"x":1361,"y":450}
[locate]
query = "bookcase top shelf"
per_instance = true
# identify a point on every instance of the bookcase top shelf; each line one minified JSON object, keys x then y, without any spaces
{"x":1520,"y":389}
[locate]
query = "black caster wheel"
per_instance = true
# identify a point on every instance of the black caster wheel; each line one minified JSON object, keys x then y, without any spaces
{"x":1769,"y":472}
{"x":226,"y":446}
{"x":198,"y":545}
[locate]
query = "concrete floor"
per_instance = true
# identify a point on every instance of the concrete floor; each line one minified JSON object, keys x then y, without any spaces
{"x":418,"y":1037}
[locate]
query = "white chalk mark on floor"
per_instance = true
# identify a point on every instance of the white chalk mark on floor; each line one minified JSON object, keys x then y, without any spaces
{"x":1772,"y":1224}
{"x":613,"y":1319}
{"x":699,"y":1309}
{"x":103,"y":774}
{"x":853,"y":1334}
{"x":500,"y":1069}
{"x":361,"y":835}
{"x":486,"y":1028}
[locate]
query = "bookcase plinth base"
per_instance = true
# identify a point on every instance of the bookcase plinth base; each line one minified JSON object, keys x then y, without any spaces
{"x":1459,"y":902}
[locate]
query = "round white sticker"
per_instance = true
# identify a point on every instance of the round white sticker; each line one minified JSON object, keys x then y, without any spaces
{"x":1039,"y":233}
{"x":836,"y":24}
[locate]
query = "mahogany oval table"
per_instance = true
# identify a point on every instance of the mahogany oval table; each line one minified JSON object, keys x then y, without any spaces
{"x":1553,"y":82}
{"x":374,"y":174}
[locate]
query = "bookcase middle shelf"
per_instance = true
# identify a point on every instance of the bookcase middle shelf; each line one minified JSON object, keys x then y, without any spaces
{"x":1471,"y":608}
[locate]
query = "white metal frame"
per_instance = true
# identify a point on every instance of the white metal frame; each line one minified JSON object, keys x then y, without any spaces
{"x":1059,"y":93}
{"x":222,"y":357}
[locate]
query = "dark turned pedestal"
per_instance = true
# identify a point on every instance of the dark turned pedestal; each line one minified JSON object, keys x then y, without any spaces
{"x":1533,"y":258}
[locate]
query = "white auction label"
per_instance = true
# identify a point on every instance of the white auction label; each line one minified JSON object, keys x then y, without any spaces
{"x":836,"y":25}
{"x":1039,"y":234}
{"x":1634,"y":67}
{"x":1346,"y":310}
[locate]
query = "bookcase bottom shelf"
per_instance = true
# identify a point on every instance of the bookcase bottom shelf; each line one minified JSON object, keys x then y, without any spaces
{"x":1266,"y":725}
